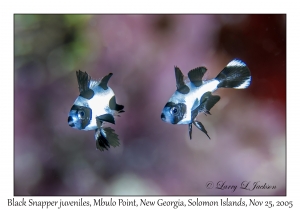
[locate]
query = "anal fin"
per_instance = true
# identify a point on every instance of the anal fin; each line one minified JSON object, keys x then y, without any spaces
{"x":106,"y":137}
{"x":111,"y":136}
{"x":101,"y":142}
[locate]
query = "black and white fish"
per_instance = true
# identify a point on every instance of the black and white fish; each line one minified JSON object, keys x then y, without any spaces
{"x":95,"y":105}
{"x":195,"y":95}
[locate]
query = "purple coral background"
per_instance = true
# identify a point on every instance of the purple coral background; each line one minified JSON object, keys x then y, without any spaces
{"x":247,"y":127}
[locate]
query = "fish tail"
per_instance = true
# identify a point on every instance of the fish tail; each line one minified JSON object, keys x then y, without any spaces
{"x":106,"y":137}
{"x":235,"y":75}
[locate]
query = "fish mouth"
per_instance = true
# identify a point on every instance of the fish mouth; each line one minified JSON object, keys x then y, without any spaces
{"x":70,"y":121}
{"x":163,"y":117}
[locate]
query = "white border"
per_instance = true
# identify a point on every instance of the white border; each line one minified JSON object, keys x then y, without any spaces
{"x":141,"y":7}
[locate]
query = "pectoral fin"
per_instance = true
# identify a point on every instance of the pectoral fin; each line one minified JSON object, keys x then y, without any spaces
{"x":200,"y":127}
{"x":207,"y":101}
{"x":181,"y":86}
{"x":114,"y":106}
{"x":107,"y":118}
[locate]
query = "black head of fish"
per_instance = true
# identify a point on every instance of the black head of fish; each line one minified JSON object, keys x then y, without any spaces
{"x":79,"y":117}
{"x":173,"y":113}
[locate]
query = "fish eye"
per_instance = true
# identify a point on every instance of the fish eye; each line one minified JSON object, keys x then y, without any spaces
{"x":174,"y":111}
{"x":81,"y":114}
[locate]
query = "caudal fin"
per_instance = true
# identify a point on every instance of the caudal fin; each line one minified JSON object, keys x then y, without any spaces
{"x":235,"y":75}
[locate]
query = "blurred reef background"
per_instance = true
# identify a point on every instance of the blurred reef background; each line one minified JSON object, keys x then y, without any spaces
{"x":247,"y":127}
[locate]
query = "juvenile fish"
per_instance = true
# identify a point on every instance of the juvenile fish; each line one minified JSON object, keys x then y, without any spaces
{"x":95,"y":105}
{"x":195,"y":96}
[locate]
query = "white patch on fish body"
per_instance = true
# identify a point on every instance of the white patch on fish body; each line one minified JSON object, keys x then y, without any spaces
{"x":99,"y":104}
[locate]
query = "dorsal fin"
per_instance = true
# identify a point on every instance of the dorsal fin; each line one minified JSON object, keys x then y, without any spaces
{"x":104,"y":81}
{"x":181,"y":86}
{"x":195,"y":75}
{"x":83,"y":80}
